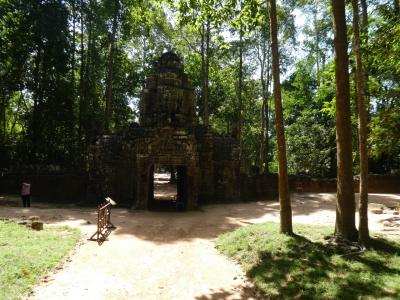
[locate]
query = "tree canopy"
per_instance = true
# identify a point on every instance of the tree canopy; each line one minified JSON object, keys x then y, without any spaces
{"x":73,"y":69}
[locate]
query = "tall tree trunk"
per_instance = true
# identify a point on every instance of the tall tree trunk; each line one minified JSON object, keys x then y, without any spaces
{"x":110,"y":70}
{"x":206,"y":72}
{"x":3,"y":137}
{"x":364,"y":34}
{"x":267,"y":109}
{"x":345,"y":207}
{"x":240,"y":94}
{"x":284,"y":195}
{"x":203,"y":72}
{"x":265,"y":65}
{"x":263,"y":108}
{"x":144,"y":59}
{"x":3,"y":118}
{"x":88,"y":96}
{"x":316,"y":32}
{"x":73,"y":46}
{"x":363,"y":234}
{"x":81,"y":114}
{"x":37,"y":101}
{"x":17,"y":112}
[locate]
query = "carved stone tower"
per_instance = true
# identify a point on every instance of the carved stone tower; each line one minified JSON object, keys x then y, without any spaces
{"x":167,"y":114}
{"x":122,"y":166}
{"x":168,"y":98}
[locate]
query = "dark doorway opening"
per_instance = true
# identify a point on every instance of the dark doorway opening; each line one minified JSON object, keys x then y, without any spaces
{"x":168,"y":188}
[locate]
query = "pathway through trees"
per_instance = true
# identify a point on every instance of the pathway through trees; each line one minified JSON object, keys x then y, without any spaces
{"x":171,"y":255}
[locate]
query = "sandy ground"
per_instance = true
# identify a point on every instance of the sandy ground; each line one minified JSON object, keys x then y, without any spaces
{"x":171,"y":255}
{"x":163,"y":189}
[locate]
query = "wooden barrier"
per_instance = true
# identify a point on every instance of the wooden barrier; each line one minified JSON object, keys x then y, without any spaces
{"x":104,"y":224}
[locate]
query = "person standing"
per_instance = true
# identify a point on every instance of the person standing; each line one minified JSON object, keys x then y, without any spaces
{"x":26,"y":193}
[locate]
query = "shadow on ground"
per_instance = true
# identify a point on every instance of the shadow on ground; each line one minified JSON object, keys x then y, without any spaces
{"x":308,"y":269}
{"x":242,"y":293}
{"x":170,"y":227}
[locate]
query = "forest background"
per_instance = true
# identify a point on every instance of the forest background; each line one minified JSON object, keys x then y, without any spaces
{"x":72,"y":70}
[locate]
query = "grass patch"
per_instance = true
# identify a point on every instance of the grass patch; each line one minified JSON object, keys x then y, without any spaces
{"x":26,"y":255}
{"x":303,"y":267}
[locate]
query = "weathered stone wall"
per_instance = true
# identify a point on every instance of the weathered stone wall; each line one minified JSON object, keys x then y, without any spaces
{"x":68,"y":187}
{"x":376,"y":184}
{"x":259,"y":187}
{"x":205,"y":149}
{"x":112,"y":170}
{"x":265,"y":186}
{"x":226,"y":167}
{"x":48,"y":186}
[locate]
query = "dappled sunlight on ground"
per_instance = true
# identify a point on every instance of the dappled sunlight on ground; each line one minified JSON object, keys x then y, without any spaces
{"x":171,"y":255}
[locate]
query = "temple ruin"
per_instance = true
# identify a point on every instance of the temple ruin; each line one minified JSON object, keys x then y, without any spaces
{"x":122,"y":166}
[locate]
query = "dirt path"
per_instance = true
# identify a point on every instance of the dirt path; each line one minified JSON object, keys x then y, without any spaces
{"x":168,"y":255}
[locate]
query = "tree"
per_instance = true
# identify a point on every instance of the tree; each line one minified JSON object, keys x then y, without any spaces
{"x":363,"y":234}
{"x":204,"y":17}
{"x":284,"y":196}
{"x":308,"y":125}
{"x":110,"y":68}
{"x":345,"y":206}
{"x":384,"y":77}
{"x":263,"y":49}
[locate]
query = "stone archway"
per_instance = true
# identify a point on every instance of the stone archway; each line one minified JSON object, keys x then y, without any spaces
{"x":187,"y":181}
{"x":165,"y":195}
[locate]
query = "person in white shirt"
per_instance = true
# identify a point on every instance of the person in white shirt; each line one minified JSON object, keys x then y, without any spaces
{"x":26,"y":193}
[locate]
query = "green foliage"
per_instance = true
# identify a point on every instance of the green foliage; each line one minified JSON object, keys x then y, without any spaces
{"x":27,"y":255}
{"x":384,"y":139}
{"x":384,"y":70}
{"x":303,"y":266}
{"x":54,"y":59}
{"x":310,"y":131}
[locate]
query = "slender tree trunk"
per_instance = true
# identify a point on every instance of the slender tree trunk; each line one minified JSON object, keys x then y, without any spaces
{"x":203,"y":73}
{"x":284,"y":195}
{"x":364,"y":34}
{"x":81,"y":114}
{"x":206,"y":72}
{"x":110,"y":70}
{"x":265,"y":65}
{"x":73,"y":47}
{"x":267,"y":109}
{"x":363,"y":234}
{"x":88,"y":96}
{"x":364,"y":21}
{"x":144,"y":59}
{"x":3,"y":118}
{"x":263,"y":119}
{"x":3,"y":138}
{"x":37,"y":100}
{"x":240,"y":94}
{"x":316,"y":32}
{"x":17,"y":112}
{"x":345,"y":207}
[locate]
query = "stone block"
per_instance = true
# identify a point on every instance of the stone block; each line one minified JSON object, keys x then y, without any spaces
{"x":37,"y":225}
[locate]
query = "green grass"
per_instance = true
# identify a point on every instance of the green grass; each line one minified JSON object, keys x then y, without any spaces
{"x":302,"y":267}
{"x":27,"y":255}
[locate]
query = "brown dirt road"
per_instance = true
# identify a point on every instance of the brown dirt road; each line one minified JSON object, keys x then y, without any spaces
{"x":171,"y":255}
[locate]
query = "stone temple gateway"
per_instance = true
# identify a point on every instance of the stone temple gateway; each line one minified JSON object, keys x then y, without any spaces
{"x":122,"y":166}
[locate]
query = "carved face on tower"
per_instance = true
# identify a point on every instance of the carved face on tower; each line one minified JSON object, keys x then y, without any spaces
{"x":168,"y":98}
